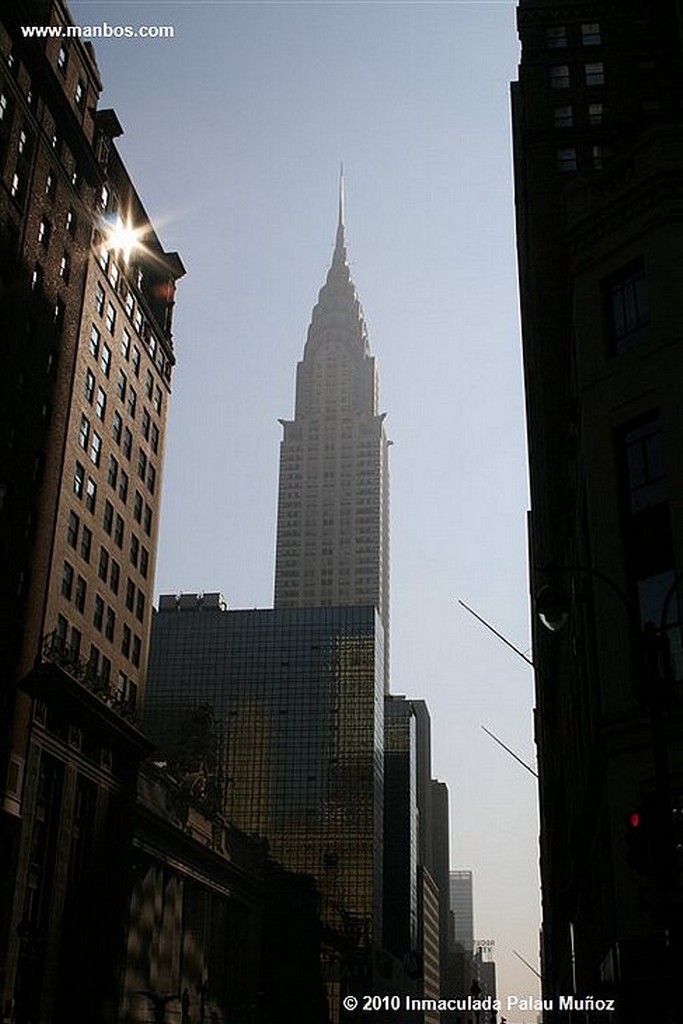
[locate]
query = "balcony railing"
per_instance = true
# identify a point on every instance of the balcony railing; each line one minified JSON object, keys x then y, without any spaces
{"x":56,"y":651}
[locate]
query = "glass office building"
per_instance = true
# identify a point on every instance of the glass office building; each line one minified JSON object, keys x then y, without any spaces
{"x":279,"y":714}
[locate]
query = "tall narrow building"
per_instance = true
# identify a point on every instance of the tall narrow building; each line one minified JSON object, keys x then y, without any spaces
{"x":333,"y":506}
{"x":86,"y":360}
{"x":598,"y":136}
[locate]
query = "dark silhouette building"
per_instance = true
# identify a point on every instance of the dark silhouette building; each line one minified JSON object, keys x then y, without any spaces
{"x":86,"y":356}
{"x":598,"y":141}
{"x":296,"y":697}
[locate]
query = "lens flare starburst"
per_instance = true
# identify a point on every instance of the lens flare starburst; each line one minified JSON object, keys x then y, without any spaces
{"x":121,"y":237}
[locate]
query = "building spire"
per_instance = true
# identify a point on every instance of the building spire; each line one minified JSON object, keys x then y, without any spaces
{"x":341,"y":195}
{"x":340,"y":244}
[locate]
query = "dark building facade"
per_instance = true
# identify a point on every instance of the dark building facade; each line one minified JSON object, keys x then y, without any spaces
{"x":86,"y":356}
{"x":296,"y":701}
{"x":598,"y":139}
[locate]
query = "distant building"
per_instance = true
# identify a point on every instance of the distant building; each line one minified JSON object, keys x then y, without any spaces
{"x":333,"y":504}
{"x":462,"y":905}
{"x":401,"y":829}
{"x":86,"y":358}
{"x":598,"y":140}
{"x":295,"y":698}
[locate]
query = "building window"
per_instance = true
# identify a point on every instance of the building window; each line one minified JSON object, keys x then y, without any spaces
{"x":556,"y":37}
{"x":89,"y":389}
{"x":147,"y":526}
{"x":44,"y":232}
{"x":84,"y":433}
{"x":132,"y":402}
{"x":121,"y":385}
{"x":118,"y":531}
{"x":130,"y":595}
{"x":137,"y":644}
{"x":155,"y":438}
{"x":135,"y":360}
{"x":70,"y":222}
{"x":110,"y":318}
{"x":91,"y":495}
{"x":599,"y":156}
{"x":643,"y":444}
{"x":110,"y":624}
{"x":95,"y":448}
{"x":144,"y":562}
{"x":101,"y":404}
{"x":67,"y":581}
{"x":99,"y":298}
{"x":108,"y":517}
{"x":628,"y":311}
{"x":103,"y":567}
{"x":125,"y":344}
{"x":115,"y":576}
{"x":137,"y":507}
{"x":590,"y":33}
{"x":151,"y":478}
{"x":123,"y":486}
{"x":596,"y":113}
{"x":105,"y":362}
{"x":79,"y":94}
{"x":75,"y":643}
{"x":146,"y":423}
{"x":94,"y":341}
{"x":79,"y":480}
{"x":117,"y":427}
{"x":113,"y":472}
{"x":559,"y":76}
{"x":86,"y":544}
{"x":62,"y":59}
{"x":142,"y":464}
{"x":134,"y":550}
{"x":72,"y":529}
{"x":125,"y":641}
{"x":566,"y":160}
{"x":563,"y":117}
{"x":50,"y":184}
{"x":140,"y":606}
{"x":595,"y":73}
{"x":79,"y":594}
{"x":127,"y":445}
{"x":98,"y":613}
{"x":65,"y":268}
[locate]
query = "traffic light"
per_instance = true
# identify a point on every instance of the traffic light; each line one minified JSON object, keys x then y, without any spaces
{"x":639,"y":839}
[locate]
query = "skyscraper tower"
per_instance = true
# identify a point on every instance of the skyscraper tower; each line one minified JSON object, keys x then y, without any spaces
{"x":333,"y":506}
{"x":86,"y":361}
{"x":598,"y":138}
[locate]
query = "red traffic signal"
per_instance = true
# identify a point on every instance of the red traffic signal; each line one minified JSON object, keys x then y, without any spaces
{"x":639,"y":840}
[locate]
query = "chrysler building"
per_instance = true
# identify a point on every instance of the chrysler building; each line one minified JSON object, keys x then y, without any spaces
{"x":333,"y":503}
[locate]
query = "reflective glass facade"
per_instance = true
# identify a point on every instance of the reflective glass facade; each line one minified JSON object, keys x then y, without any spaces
{"x":295,"y":747}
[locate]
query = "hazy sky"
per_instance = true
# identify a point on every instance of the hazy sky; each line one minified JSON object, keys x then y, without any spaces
{"x":235,"y":131}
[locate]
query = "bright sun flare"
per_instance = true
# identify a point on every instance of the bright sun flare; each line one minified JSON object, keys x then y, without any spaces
{"x":122,"y":237}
